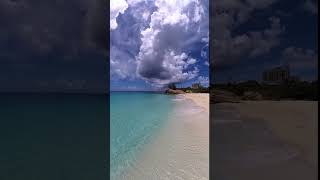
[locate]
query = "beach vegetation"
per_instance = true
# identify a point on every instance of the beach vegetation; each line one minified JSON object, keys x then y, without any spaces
{"x":293,"y":90}
{"x":172,"y":86}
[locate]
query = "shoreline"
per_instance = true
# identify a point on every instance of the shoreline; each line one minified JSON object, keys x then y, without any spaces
{"x":200,"y":99}
{"x":180,"y":149}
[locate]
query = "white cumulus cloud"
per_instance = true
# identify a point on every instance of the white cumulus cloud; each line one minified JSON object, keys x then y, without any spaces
{"x":174,"y":27}
{"x":203,"y":80}
{"x":116,"y":7}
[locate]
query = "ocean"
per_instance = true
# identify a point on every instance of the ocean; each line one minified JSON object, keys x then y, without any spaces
{"x":53,"y":136}
{"x":134,"y":118}
{"x":65,"y":136}
{"x":157,"y":136}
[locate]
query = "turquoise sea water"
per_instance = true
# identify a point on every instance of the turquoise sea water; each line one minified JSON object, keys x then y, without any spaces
{"x":135,"y":118}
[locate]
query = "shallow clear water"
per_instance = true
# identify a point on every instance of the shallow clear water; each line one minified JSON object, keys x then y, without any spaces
{"x":158,"y":136}
{"x":135,"y":118}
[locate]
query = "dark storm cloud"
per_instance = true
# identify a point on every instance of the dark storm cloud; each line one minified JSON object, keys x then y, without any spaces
{"x":52,"y":34}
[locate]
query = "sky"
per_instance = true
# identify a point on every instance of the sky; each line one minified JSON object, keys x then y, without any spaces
{"x":64,"y":46}
{"x":251,"y":36}
{"x":157,"y":42}
{"x":53,"y":46}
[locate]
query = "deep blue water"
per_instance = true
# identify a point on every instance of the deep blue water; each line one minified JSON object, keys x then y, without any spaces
{"x":135,"y":118}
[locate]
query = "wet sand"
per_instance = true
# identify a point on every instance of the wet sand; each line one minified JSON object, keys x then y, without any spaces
{"x":264,"y":140}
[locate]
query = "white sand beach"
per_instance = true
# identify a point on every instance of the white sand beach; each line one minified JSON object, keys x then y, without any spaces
{"x":201,"y":99}
{"x":181,"y":149}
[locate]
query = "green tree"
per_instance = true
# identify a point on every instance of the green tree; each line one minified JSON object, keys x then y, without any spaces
{"x":172,"y":86}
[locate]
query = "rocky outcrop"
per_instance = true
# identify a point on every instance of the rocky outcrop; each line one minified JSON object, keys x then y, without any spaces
{"x":221,"y":96}
{"x":172,"y":91}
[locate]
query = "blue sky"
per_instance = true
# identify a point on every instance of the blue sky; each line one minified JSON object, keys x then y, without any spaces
{"x":154,"y":43}
{"x":68,"y":51}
